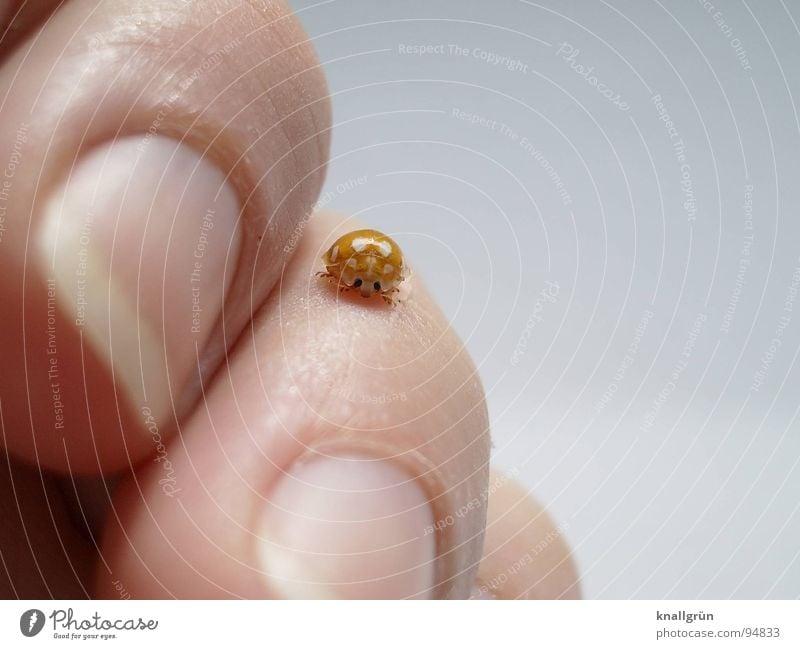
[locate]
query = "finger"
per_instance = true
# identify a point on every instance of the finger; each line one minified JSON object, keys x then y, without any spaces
{"x":161,"y":162}
{"x":526,"y":555}
{"x":42,"y":554}
{"x":327,"y":461}
{"x":18,"y":18}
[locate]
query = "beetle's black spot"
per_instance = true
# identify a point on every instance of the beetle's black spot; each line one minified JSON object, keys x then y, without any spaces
{"x":358,"y":282}
{"x":377,"y":286}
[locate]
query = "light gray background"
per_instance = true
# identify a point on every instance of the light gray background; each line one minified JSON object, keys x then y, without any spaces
{"x":703,"y":501}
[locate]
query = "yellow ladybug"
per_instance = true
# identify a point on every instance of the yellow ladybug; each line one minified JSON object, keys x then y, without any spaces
{"x":367,"y":260}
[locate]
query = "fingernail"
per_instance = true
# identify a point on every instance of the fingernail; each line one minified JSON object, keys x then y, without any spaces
{"x":138,"y":245}
{"x":347,"y":527}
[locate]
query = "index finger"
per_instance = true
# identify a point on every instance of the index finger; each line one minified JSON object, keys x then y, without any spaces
{"x":344,"y":453}
{"x":162,"y":162}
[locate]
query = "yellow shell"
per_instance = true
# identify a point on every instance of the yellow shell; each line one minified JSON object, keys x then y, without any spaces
{"x":367,"y":260}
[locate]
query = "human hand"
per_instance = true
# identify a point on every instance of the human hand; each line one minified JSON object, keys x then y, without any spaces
{"x":188,"y":411}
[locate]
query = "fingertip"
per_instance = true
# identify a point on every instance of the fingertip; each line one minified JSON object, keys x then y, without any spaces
{"x":526,"y":553}
{"x":323,"y":379}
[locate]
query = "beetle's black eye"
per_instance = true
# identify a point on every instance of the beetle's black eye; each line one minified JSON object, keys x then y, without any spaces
{"x":377,"y":286}
{"x":357,"y":283}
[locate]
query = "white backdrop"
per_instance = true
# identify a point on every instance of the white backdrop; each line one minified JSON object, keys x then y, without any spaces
{"x":604,"y":199}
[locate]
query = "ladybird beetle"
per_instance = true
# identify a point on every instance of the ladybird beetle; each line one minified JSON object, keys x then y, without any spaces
{"x":366,"y":260}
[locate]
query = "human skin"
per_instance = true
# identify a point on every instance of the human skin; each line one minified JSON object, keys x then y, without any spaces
{"x":263,"y":435}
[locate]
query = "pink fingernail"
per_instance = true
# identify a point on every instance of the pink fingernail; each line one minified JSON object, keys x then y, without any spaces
{"x":140,"y":241}
{"x":347,"y":527}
